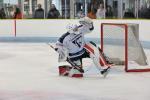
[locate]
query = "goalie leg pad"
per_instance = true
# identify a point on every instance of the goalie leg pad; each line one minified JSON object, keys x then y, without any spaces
{"x":64,"y":70}
{"x":67,"y":70}
{"x":97,"y":56}
{"x":75,"y":73}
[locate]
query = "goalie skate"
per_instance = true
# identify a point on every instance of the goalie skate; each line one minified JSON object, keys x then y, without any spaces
{"x":105,"y":72}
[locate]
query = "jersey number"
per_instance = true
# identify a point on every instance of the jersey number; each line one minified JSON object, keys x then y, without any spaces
{"x":77,"y":42}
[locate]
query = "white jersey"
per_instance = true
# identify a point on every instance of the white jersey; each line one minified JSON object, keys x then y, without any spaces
{"x":74,"y":42}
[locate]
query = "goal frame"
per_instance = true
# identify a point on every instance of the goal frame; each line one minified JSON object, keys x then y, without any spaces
{"x":125,"y":45}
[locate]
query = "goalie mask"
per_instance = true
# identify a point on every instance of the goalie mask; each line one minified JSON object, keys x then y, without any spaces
{"x":85,"y":21}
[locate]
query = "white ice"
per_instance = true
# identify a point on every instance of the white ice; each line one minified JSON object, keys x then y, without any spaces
{"x":28,"y":71}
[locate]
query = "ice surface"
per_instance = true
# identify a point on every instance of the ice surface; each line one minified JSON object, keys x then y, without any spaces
{"x":28,"y":71}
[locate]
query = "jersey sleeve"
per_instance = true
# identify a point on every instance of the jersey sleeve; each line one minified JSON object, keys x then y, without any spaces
{"x":62,"y":40}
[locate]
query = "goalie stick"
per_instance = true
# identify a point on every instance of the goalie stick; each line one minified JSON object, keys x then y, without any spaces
{"x":69,"y":61}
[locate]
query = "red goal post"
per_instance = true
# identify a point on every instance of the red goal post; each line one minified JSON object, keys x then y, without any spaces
{"x":121,"y":43}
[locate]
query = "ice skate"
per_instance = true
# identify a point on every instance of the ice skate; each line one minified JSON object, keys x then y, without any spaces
{"x":105,"y":72}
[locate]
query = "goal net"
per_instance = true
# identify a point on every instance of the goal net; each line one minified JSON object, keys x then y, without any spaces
{"x":120,"y":42}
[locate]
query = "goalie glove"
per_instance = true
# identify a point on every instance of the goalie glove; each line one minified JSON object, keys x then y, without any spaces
{"x":86,"y":21}
{"x":63,"y":52}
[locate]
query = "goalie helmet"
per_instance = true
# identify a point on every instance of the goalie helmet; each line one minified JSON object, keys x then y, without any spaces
{"x":85,"y":20}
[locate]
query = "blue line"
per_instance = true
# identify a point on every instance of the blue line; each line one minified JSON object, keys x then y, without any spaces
{"x":145,"y":44}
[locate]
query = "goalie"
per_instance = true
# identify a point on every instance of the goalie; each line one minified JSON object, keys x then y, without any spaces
{"x":72,"y":48}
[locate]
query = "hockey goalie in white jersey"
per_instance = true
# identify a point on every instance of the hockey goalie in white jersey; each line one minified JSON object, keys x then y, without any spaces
{"x":72,"y":48}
